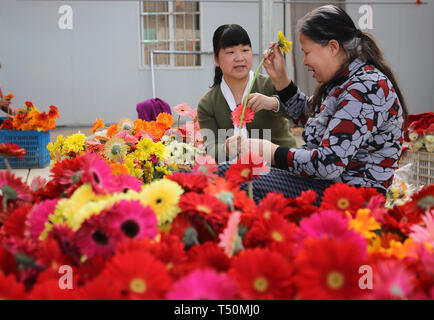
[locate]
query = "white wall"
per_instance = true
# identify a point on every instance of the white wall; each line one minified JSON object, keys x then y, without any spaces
{"x":93,"y":70}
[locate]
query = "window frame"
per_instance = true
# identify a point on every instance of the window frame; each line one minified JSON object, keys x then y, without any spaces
{"x":141,"y":43}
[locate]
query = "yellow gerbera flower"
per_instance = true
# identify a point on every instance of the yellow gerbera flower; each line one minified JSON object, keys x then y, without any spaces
{"x":144,"y":148}
{"x":115,"y":148}
{"x":163,"y":196}
{"x":75,"y":143}
{"x":364,"y":223}
{"x":284,"y":45}
{"x":159,"y":149}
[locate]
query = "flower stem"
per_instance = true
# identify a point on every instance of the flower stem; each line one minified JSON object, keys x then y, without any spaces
{"x":179,"y":117}
{"x":207,"y":227}
{"x":250,"y":89}
{"x":8,"y":166}
{"x":250,"y":188}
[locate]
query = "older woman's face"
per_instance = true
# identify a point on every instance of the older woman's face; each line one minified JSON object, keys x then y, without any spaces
{"x":324,"y":62}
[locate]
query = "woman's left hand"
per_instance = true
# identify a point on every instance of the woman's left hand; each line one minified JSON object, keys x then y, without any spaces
{"x":259,"y":101}
{"x":264,"y":148}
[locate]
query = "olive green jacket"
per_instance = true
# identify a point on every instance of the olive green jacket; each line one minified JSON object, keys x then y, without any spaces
{"x":214,"y":113}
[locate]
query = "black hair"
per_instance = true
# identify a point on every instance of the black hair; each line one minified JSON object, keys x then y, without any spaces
{"x":331,"y":22}
{"x":227,"y":35}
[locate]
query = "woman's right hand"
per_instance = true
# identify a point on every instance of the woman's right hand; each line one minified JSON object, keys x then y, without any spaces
{"x":275,"y":66}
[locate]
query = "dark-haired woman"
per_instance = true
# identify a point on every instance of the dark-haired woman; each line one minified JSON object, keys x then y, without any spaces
{"x":353,"y":124}
{"x":233,"y":76}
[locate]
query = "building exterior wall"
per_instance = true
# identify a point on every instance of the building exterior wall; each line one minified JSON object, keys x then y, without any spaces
{"x":93,"y":70}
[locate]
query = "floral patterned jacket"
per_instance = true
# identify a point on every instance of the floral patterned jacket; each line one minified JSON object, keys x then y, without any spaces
{"x":355,"y":137}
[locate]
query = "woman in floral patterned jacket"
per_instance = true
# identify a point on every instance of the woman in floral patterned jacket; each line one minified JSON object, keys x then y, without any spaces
{"x":354,"y":123}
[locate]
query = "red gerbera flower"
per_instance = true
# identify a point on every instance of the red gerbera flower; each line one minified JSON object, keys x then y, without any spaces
{"x":328,"y":269}
{"x":7,"y":262}
{"x":205,"y":205}
{"x":10,"y":288}
{"x":195,"y":182}
{"x":249,"y":115}
{"x":273,"y":202}
{"x":49,"y":289}
{"x":342,"y":197}
{"x":247,"y":167}
{"x":54,"y":112}
{"x":209,"y":255}
{"x":301,"y":207}
{"x":51,"y":256}
{"x":96,"y":289}
{"x":16,"y":223}
{"x":273,"y":229}
{"x":139,"y":274}
{"x":42,"y":117}
{"x":11,"y":150}
{"x":67,"y":173}
{"x":90,"y":269}
{"x":421,"y":202}
{"x":7,"y":123}
{"x":263,"y":274}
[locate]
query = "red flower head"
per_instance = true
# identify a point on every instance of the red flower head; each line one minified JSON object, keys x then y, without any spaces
{"x":195,"y":182}
{"x":204,"y":205}
{"x":247,"y":167}
{"x":54,"y":112}
{"x":342,"y":197}
{"x":329,"y":269}
{"x":249,"y":115}
{"x":273,"y":229}
{"x":7,"y":124}
{"x":10,"y":288}
{"x":139,"y":274}
{"x":263,"y":274}
{"x":42,"y":117}
{"x":11,"y":150}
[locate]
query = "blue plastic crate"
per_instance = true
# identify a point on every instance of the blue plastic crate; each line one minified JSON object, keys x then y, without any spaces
{"x":35,"y":143}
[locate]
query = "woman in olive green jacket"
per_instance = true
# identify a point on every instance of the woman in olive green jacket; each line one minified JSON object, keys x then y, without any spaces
{"x":233,"y":77}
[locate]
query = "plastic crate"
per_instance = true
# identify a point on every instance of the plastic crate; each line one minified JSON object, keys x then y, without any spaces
{"x":422,"y":167}
{"x":35,"y":143}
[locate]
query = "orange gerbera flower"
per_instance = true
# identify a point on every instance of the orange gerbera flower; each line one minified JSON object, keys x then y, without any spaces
{"x":97,"y":125}
{"x":157,"y":129}
{"x":118,"y":168}
{"x":10,"y":96}
{"x":112,"y":130}
{"x":165,"y":119}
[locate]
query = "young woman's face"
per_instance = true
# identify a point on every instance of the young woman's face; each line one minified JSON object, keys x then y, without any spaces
{"x":235,"y":61}
{"x":324,"y":62}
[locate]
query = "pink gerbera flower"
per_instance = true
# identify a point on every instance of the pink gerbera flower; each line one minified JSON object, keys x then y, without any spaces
{"x":392,"y":281}
{"x":328,"y":224}
{"x":95,"y":236}
{"x":229,"y":237}
{"x":126,"y":182}
{"x":182,"y":109}
{"x":127,"y":137}
{"x":38,"y":217}
{"x":204,"y":284}
{"x":249,"y":115}
{"x":133,"y":220}
{"x":98,"y":172}
{"x":424,"y":234}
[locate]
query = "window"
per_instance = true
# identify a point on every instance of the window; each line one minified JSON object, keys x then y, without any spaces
{"x":170,"y":25}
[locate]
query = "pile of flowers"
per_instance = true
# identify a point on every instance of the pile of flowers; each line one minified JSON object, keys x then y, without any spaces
{"x":420,"y":132}
{"x":147,"y":150}
{"x":197,"y":235}
{"x":30,"y":118}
